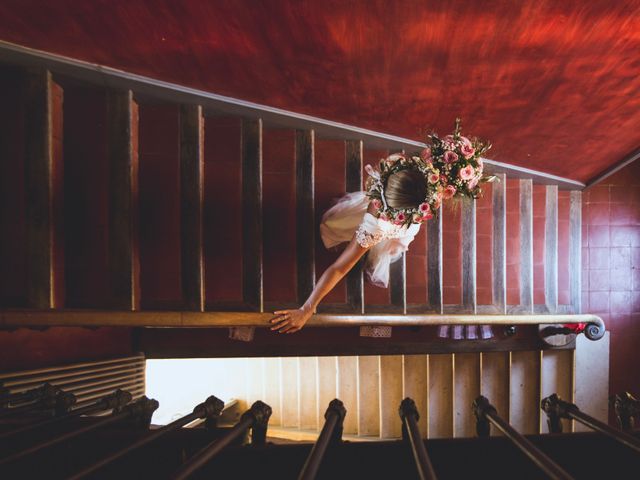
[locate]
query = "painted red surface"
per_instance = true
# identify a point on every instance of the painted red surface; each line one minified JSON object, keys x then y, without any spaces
{"x":159,"y":185}
{"x":416,"y":268}
{"x":24,"y":349}
{"x":452,"y":253}
{"x":548,"y":82}
{"x":279,"y":213}
{"x":329,"y":186}
{"x":222,"y":222}
{"x":484,"y":246}
{"x":86,"y":198}
{"x":611,"y":269}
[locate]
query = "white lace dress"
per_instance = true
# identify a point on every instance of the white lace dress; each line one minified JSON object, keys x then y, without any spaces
{"x":387,"y":242}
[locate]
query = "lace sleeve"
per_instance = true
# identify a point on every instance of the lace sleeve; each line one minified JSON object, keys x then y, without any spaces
{"x":368,"y":233}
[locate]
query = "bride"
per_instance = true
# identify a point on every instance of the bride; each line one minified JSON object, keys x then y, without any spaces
{"x":404,"y":192}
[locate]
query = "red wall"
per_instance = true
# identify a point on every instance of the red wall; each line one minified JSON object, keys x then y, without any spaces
{"x":611,"y":269}
{"x":522,"y":74}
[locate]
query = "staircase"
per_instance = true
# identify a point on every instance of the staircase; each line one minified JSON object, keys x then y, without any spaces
{"x":130,"y":201}
{"x":444,"y":386}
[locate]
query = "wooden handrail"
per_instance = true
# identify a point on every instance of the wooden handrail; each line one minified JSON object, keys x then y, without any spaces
{"x":32,"y":318}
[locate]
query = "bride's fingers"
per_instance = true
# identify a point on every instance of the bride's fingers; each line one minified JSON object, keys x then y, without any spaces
{"x":279,"y":318}
{"x":280,"y":324}
{"x":287,"y":329}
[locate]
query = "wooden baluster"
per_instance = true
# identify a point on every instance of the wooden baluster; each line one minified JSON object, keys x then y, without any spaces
{"x":353,"y":177}
{"x":551,"y":249}
{"x":43,"y":189}
{"x":526,"y":246}
{"x":191,"y":202}
{"x":124,"y":264}
{"x":575,"y":251}
{"x":305,"y":214}
{"x":434,"y":262}
{"x":469,"y":302}
{"x":500,"y":246}
{"x":252,"y":291}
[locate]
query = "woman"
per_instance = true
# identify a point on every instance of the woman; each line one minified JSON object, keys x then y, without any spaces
{"x":356,"y":219}
{"x":385,"y":219}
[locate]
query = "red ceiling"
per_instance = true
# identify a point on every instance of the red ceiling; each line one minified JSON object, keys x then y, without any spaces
{"x":555,"y":85}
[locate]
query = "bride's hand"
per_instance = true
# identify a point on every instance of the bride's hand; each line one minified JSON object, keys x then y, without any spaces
{"x":290,"y":321}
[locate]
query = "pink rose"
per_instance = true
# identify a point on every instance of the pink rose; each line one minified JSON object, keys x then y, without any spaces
{"x":383,"y":217}
{"x":467,"y":173}
{"x":448,"y":142}
{"x":434,"y":177}
{"x":417,"y":218}
{"x":424,"y":208}
{"x":400,"y":218}
{"x":450,"y":157}
{"x":449,"y":192}
{"x":427,"y":216}
{"x":467,"y":150}
{"x":376,"y":203}
{"x":425,"y":154}
{"x":473,"y":183}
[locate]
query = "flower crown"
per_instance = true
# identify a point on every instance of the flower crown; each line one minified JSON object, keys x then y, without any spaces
{"x":451,"y":166}
{"x":395,"y":163}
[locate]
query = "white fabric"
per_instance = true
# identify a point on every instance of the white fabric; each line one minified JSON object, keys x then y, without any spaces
{"x":349,"y":217}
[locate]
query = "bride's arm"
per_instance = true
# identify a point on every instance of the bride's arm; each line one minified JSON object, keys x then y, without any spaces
{"x":289,"y":321}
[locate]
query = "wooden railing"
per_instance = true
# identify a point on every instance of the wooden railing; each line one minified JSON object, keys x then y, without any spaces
{"x":180,"y":452}
{"x":45,"y":300}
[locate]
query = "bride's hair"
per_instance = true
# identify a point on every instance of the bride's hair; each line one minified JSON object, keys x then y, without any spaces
{"x":405,"y":189}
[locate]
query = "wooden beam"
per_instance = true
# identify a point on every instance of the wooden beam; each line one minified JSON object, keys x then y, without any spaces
{"x":469,"y":302}
{"x":434,"y":262}
{"x":124,"y":261}
{"x":43,"y":189}
{"x":575,"y":251}
{"x":252,"y":291}
{"x":305,"y":214}
{"x":191,"y":206}
{"x":500,"y":243}
{"x":526,"y":245}
{"x":353,"y":180}
{"x":551,"y":249}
